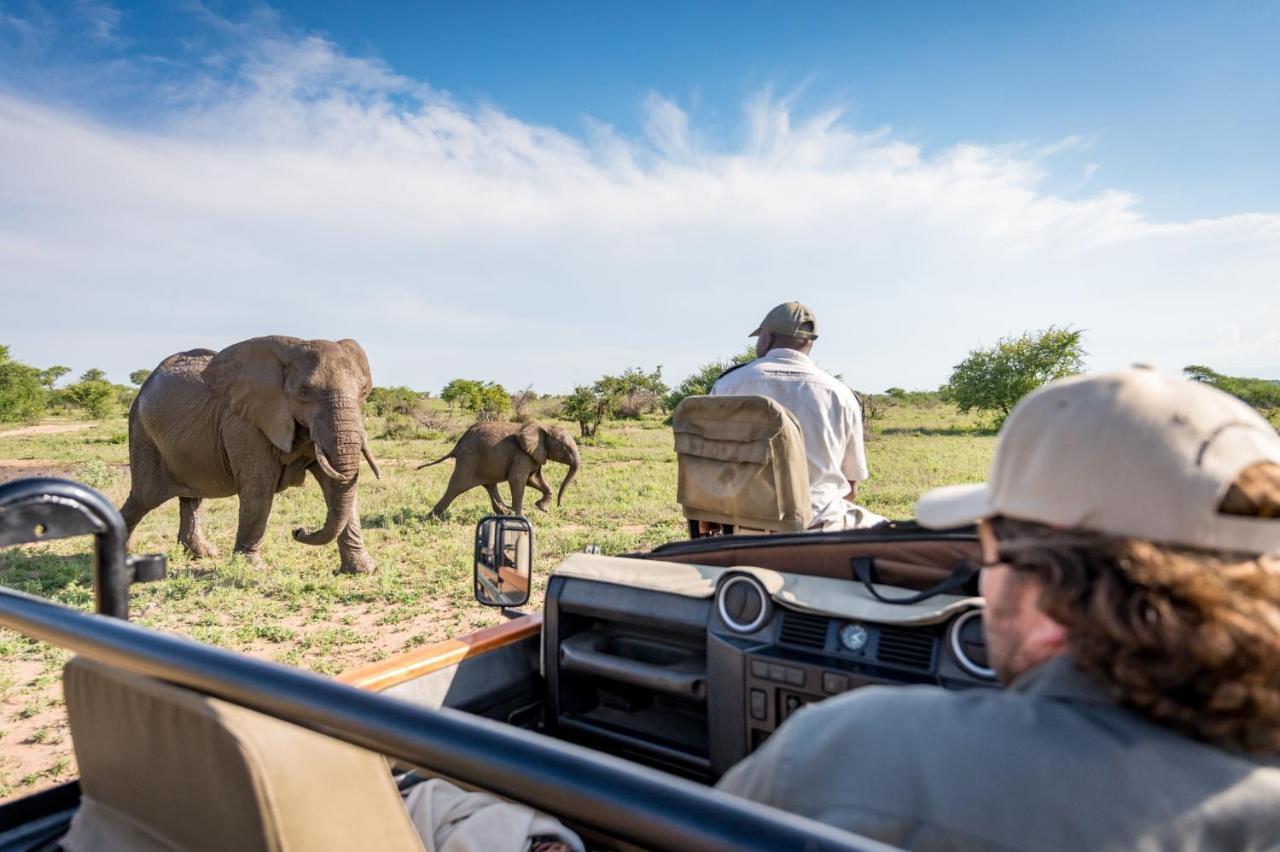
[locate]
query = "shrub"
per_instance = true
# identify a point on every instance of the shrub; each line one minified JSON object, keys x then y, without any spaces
{"x":521,"y":404}
{"x":139,"y":376}
{"x":383,"y":402}
{"x":993,"y":380}
{"x":96,"y":397}
{"x":22,"y":394}
{"x":700,"y":382}
{"x":586,"y":407}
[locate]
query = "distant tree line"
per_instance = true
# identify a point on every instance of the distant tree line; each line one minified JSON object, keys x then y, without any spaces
{"x":29,"y":393}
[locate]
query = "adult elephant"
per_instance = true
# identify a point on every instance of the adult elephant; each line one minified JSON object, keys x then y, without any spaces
{"x":250,"y":421}
{"x":494,"y":452}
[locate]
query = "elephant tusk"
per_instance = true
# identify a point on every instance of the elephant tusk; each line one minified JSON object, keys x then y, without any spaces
{"x":328,"y":468}
{"x":373,"y":463}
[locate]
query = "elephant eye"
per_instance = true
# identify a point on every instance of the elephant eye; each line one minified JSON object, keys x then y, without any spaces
{"x":304,"y":392}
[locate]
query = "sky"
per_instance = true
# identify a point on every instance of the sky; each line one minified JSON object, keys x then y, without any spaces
{"x":537,"y":194}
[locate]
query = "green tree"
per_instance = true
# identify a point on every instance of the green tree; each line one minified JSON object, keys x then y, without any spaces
{"x":700,"y":381}
{"x":96,"y":396}
{"x":93,"y":375}
{"x":993,"y":380}
{"x":459,"y":391}
{"x":139,"y":376}
{"x":384,"y":402}
{"x":634,"y":393}
{"x":587,"y":407}
{"x":22,"y":394}
{"x":49,"y":377}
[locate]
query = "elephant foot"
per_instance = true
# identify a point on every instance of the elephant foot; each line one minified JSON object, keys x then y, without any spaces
{"x":200,"y":549}
{"x":357,"y":563}
{"x":254,"y":558}
{"x":544,"y":504}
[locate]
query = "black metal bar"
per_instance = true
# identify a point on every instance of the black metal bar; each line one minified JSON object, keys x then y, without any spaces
{"x":617,"y":798}
{"x":46,"y":508}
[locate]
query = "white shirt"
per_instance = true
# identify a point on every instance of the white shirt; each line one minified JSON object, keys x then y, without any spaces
{"x":830,"y":419}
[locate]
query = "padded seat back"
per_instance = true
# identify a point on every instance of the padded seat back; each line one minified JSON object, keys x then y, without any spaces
{"x":166,"y":768}
{"x":741,"y":462}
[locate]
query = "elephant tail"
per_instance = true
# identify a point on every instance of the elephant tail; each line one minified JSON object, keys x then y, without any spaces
{"x":437,"y":461}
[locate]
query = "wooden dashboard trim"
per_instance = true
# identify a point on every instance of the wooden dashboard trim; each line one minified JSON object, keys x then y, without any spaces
{"x":376,"y":677}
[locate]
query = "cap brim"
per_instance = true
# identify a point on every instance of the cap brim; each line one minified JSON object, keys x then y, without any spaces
{"x":756,"y":333}
{"x":954,"y":506}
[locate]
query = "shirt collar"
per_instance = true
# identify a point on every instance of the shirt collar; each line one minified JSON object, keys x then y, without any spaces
{"x":1060,"y":677}
{"x":782,"y":354}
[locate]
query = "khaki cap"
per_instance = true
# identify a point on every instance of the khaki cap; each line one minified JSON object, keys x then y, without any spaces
{"x":787,"y":319}
{"x":1131,"y":454}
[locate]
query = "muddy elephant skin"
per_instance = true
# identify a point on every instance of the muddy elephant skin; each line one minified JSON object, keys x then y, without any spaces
{"x":514,"y":453}
{"x":250,"y":421}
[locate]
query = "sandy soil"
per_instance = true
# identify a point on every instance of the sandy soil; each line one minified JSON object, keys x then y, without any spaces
{"x":47,"y":429}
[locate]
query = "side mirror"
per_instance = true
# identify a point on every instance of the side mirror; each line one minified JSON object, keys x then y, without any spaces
{"x":504,"y":560}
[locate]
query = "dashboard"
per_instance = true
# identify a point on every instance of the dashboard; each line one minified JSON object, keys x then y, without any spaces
{"x":691,"y":668}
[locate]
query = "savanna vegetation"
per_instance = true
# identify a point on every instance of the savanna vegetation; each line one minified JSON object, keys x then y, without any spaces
{"x":301,"y":613}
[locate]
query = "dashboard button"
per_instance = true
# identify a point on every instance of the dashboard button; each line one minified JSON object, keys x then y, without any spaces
{"x":759,"y":668}
{"x":778,"y":673}
{"x":833,"y":683}
{"x":795,"y":677}
{"x":759,"y":701}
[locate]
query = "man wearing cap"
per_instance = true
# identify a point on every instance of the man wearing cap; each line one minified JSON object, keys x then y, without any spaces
{"x":1130,"y":535}
{"x":827,"y":411}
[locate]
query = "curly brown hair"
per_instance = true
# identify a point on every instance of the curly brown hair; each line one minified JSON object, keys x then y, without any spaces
{"x":1188,"y":638}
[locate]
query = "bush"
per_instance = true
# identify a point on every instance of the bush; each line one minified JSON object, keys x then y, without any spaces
{"x":634,"y":393}
{"x":993,"y":380}
{"x":700,"y":382}
{"x":96,"y":397}
{"x":586,"y":407}
{"x":383,"y":402}
{"x":521,"y":404}
{"x":22,"y":394}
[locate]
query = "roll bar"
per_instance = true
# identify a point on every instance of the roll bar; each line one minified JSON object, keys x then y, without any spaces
{"x":614,"y":797}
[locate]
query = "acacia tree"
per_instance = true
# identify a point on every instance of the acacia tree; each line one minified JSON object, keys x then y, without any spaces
{"x":139,"y":376}
{"x":1262,"y":394}
{"x":49,"y":376}
{"x":993,"y":380}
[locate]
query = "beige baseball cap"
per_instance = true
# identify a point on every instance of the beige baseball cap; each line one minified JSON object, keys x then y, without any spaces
{"x":1132,"y":454}
{"x":787,"y":319}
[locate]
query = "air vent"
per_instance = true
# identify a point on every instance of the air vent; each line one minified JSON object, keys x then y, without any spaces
{"x":969,"y":645}
{"x":804,"y":630}
{"x":910,"y":648}
{"x":743,"y":603}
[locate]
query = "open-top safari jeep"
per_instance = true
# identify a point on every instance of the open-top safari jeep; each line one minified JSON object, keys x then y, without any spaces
{"x":644,"y":678}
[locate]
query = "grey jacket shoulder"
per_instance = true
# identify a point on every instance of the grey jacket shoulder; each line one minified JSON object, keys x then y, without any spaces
{"x":924,"y":768}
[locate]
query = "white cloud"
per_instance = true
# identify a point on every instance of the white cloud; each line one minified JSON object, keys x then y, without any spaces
{"x":288,"y":187}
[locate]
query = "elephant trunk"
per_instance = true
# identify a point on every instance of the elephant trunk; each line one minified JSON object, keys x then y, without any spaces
{"x":338,"y":451}
{"x":568,"y":477}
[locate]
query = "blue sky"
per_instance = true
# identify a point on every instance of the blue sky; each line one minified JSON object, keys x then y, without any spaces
{"x":538,"y":193}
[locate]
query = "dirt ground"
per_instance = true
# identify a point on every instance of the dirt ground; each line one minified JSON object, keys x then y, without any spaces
{"x":46,"y":429}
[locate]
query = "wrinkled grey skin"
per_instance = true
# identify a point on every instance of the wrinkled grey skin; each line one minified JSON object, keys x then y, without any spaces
{"x":490,"y":453}
{"x":250,"y":421}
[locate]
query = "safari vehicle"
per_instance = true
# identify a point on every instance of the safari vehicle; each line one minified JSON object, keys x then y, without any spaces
{"x":641,"y":681}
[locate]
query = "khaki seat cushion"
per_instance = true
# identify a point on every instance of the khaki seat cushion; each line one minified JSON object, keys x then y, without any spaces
{"x":166,"y":768}
{"x":742,"y":462}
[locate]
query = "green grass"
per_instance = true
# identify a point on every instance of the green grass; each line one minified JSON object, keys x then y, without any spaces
{"x":300,"y":612}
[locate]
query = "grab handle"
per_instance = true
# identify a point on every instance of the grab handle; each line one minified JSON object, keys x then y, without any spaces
{"x":686,"y":678}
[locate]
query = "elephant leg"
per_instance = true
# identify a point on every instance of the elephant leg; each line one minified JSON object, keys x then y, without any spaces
{"x":191,"y":527}
{"x":135,"y":508}
{"x":517,"y":482}
{"x":536,"y":480}
{"x":354,"y":559}
{"x":460,"y":481}
{"x":255,"y":509}
{"x":495,"y":500}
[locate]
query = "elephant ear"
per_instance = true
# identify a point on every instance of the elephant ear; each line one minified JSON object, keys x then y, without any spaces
{"x":533,"y":440}
{"x":357,"y":355}
{"x":249,"y":378}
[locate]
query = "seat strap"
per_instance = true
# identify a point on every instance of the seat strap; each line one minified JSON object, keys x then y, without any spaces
{"x":864,"y":570}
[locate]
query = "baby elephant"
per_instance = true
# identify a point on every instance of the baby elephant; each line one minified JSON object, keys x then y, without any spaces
{"x":489,"y":453}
